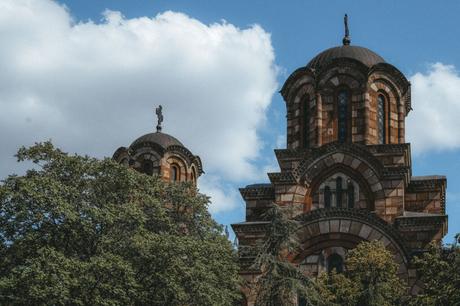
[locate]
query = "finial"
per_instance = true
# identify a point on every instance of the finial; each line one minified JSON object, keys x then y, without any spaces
{"x":346,"y":39}
{"x":159,"y":113}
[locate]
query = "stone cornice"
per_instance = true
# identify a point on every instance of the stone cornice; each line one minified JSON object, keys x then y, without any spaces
{"x":282,"y":178}
{"x":420,"y":223}
{"x":427,"y":183}
{"x":283,"y":154}
{"x":397,"y":172}
{"x":401,"y":148}
{"x":257,"y":192}
{"x":259,"y":227}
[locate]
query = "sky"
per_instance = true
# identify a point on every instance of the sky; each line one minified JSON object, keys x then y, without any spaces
{"x":89,"y":73}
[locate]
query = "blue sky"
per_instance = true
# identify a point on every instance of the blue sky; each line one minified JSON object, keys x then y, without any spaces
{"x":412,"y":35}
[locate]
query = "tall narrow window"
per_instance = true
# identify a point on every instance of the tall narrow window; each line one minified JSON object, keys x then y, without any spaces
{"x":335,"y":261}
{"x":147,"y":167}
{"x":327,"y":197}
{"x":174,"y":174}
{"x":342,"y":108}
{"x":306,"y":122}
{"x":338,"y":191}
{"x":351,"y":195}
{"x":381,"y":118}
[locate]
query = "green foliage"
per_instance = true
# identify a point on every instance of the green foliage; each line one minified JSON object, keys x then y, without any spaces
{"x":82,"y":231}
{"x":335,"y":289}
{"x":439,"y":271}
{"x":280,"y":280}
{"x":370,"y":279}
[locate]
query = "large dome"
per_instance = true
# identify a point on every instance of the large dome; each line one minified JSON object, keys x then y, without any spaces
{"x":162,"y":139}
{"x":361,"y":54}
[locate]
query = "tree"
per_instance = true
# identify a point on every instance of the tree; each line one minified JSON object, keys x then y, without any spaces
{"x":80,"y":231}
{"x":280,"y":282}
{"x":369,"y":279}
{"x":439,"y":271}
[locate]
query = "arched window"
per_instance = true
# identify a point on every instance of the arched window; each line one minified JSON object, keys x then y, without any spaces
{"x":342,"y":107}
{"x":174,"y":173}
{"x":338,"y":191}
{"x":335,"y":261}
{"x":306,"y":122}
{"x":381,"y":119}
{"x":327,"y":197}
{"x":147,"y":167}
{"x":351,"y":195}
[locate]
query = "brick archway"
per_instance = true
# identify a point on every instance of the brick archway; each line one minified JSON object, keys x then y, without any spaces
{"x":353,"y":158}
{"x":327,"y":229}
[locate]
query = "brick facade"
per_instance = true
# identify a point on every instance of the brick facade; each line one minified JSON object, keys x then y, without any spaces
{"x":346,"y":174}
{"x":163,"y":155}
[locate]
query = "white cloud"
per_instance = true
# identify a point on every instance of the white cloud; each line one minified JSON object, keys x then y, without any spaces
{"x":92,"y":87}
{"x":224,"y":197}
{"x":434,"y":124}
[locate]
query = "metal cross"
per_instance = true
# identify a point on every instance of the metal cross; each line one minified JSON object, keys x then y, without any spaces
{"x":159,"y":112}
{"x":346,"y":39}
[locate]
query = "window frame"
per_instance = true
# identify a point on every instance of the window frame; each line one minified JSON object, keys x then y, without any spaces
{"x":151,"y":167}
{"x":348,"y":119}
{"x":387,"y":116}
{"x":174,"y":169}
{"x":305,"y":113}
{"x":327,"y":193}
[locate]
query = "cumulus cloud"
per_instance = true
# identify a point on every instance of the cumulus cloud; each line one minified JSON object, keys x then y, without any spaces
{"x":224,"y":197}
{"x":92,"y":87}
{"x":434,"y":123}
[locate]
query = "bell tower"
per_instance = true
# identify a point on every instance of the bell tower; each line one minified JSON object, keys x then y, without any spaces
{"x":346,"y":174}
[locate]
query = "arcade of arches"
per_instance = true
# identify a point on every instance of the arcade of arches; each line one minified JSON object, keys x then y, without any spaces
{"x":346,"y":173}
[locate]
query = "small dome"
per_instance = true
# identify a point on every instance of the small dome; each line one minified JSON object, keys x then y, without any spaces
{"x":162,"y":139}
{"x":364,"y":55}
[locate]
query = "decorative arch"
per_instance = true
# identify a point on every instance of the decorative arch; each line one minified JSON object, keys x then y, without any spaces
{"x":296,"y":80}
{"x":396,"y":78}
{"x":353,"y":160}
{"x":301,"y":107}
{"x":393,"y":109}
{"x":341,"y":89}
{"x":343,"y":66}
{"x":351,"y":155}
{"x":324,"y":232}
{"x":147,"y":162}
{"x":339,"y":174}
{"x":177,"y":170}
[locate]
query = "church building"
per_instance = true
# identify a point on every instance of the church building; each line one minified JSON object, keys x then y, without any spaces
{"x":346,"y":174}
{"x":161,"y":154}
